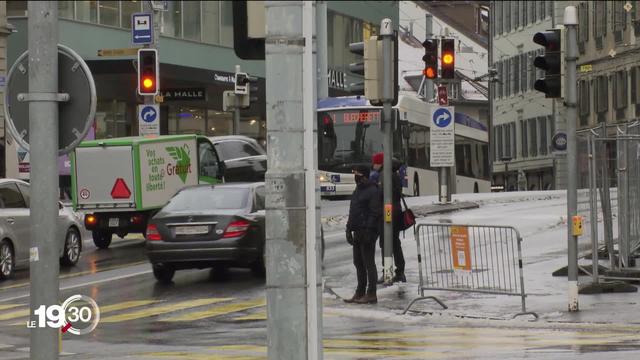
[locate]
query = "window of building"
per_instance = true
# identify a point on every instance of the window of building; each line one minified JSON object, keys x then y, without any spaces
{"x":506,"y":15}
{"x":534,"y":11}
{"x":127,"y":9}
{"x":172,"y":19}
{"x":523,"y":72}
{"x":108,"y":13}
{"x":508,"y":73}
{"x":601,"y":97}
{"x":525,"y":138}
{"x":584,"y":102}
{"x":219,"y":123}
{"x":186,"y":120}
{"x":541,"y":10}
{"x":497,"y":17}
{"x":551,"y":130}
{"x":532,"y":69}
{"x":620,"y":99}
{"x":533,"y":135}
{"x":16,"y":8}
{"x":525,"y":14}
{"x":498,"y":85}
{"x":600,"y":23}
{"x":226,"y":23}
{"x":512,"y":130}
{"x":65,"y":9}
{"x":515,"y":69}
{"x":191,"y":20}
{"x":542,"y":122}
{"x":583,"y":25}
{"x":111,"y":119}
{"x":87,"y":11}
{"x":500,"y":148}
{"x":507,"y":141}
{"x":619,"y":22}
{"x":635,"y":18}
{"x":211,"y":22}
{"x":549,"y":8}
{"x":515,"y":12}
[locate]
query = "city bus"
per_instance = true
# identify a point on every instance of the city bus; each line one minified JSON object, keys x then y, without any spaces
{"x":349,"y":134}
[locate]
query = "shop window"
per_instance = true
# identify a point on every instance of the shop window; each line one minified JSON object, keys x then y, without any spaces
{"x":211,"y":22}
{"x":16,"y":8}
{"x":87,"y":11}
{"x":219,"y":123}
{"x":186,"y":120}
{"x":172,"y":19}
{"x":191,"y":19}
{"x":129,"y":8}
{"x":108,"y":12}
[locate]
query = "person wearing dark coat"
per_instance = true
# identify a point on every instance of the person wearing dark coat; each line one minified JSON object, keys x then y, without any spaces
{"x":396,"y":196}
{"x":365,"y":211}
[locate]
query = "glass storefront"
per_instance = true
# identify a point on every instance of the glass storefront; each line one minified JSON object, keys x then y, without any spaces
{"x":196,"y":120}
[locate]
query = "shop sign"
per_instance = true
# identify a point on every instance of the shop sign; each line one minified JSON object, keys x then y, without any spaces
{"x":224,"y":77}
{"x":337,"y":79}
{"x":184,"y":94}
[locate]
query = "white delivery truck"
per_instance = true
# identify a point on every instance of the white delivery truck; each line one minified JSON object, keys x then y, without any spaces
{"x":120,"y":183}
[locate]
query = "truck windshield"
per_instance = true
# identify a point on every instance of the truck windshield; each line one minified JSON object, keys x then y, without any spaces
{"x":208,"y":198}
{"x":347,"y":137}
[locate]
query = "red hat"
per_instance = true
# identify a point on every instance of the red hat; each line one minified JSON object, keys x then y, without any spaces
{"x":377,"y":158}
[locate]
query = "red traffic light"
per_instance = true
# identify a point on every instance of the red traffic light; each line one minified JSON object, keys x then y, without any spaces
{"x":430,"y":58}
{"x":430,"y":73}
{"x":147,"y":83}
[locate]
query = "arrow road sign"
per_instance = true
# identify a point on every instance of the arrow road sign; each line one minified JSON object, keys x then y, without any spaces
{"x":142,"y":28}
{"x":442,"y":117}
{"x":148,"y":114}
{"x":149,"y":120}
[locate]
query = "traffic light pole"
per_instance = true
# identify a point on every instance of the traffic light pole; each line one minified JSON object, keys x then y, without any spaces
{"x":236,"y":110}
{"x":151,"y":99}
{"x":570,"y":23}
{"x":386,"y":34}
{"x":43,"y":122}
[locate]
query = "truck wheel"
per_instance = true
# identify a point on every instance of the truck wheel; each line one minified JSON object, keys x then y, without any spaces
{"x":163,"y":273}
{"x":101,"y":239}
{"x":7,"y":261}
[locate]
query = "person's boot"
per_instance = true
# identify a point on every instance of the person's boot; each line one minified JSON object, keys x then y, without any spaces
{"x":399,"y":277}
{"x":355,"y":297}
{"x":369,"y":298}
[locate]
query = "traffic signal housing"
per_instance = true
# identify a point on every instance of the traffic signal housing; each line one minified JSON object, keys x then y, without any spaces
{"x":430,"y":58}
{"x":148,"y":79}
{"x":370,"y":68}
{"x":551,"y":62}
{"x":448,"y":59}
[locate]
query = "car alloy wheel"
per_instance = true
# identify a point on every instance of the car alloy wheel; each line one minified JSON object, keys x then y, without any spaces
{"x":71,"y":247}
{"x":6,"y":260}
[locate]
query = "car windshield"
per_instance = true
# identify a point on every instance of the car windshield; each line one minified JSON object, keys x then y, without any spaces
{"x":208,"y":198}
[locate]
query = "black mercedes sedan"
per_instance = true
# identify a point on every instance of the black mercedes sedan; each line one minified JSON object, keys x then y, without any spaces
{"x":206,"y":226}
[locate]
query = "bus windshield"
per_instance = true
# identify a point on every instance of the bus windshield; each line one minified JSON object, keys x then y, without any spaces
{"x":348,"y":137}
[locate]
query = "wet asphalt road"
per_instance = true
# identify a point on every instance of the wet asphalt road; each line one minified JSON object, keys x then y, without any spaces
{"x":208,"y":315}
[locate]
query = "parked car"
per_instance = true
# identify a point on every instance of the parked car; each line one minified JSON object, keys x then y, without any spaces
{"x":209,"y":226}
{"x":15,"y":228}
{"x":244,"y":158}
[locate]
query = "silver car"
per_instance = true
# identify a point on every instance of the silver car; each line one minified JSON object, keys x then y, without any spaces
{"x":15,"y":224}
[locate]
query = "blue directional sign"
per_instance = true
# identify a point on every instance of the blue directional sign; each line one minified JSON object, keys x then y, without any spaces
{"x":141,"y":28}
{"x":148,"y":114}
{"x":442,"y":117}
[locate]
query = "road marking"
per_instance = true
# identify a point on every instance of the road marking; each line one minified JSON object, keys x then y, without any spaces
{"x":119,"y":277}
{"x":10,"y":306}
{"x":199,"y":356}
{"x":262,"y":316}
{"x":158,"y":310}
{"x":14,"y":314}
{"x":219,"y":310}
{"x":81,"y":273}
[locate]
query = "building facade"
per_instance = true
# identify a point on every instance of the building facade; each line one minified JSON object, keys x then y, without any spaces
{"x":196,"y":55}
{"x":524,"y":121}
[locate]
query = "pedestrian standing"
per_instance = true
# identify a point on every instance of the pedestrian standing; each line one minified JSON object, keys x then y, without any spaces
{"x":377,"y":161}
{"x":365,"y":211}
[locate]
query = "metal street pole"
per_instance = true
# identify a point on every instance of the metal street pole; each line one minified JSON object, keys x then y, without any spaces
{"x":43,"y":141}
{"x":293,"y":324}
{"x":570,"y":23}
{"x":157,"y":18}
{"x":323,"y":68}
{"x":386,"y":33}
{"x":236,"y":109}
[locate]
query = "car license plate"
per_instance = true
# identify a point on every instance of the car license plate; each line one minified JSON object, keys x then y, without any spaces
{"x":114,"y":222}
{"x":192,"y":230}
{"x":328,"y":188}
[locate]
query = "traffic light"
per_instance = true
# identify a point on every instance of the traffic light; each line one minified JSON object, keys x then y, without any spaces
{"x":148,"y":81}
{"x":370,"y":68}
{"x":448,"y":59}
{"x":430,"y":58}
{"x":550,"y":62}
{"x":241,"y":88}
{"x":246,"y":87}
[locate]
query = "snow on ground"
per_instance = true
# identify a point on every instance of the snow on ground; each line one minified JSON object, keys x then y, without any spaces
{"x":540,"y":217}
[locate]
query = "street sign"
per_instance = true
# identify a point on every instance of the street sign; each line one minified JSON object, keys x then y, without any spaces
{"x":141,"y":28}
{"x":559,"y":141}
{"x":76,"y":114}
{"x":443,"y":99}
{"x":149,"y":120}
{"x":442,"y":137}
{"x":118,"y":52}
